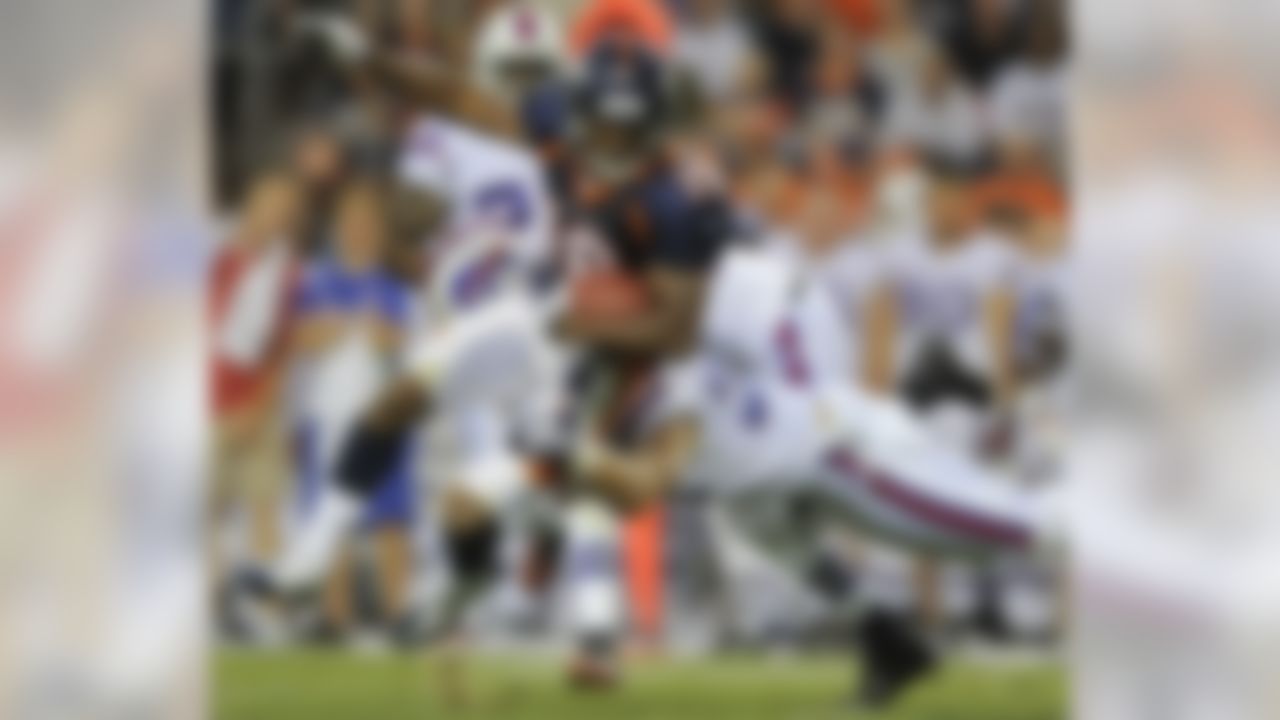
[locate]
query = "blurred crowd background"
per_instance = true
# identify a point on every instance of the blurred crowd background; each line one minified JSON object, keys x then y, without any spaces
{"x":824,"y":117}
{"x":1173,"y":145}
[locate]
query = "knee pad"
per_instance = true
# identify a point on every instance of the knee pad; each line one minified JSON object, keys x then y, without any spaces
{"x":473,"y":552}
{"x":369,"y":458}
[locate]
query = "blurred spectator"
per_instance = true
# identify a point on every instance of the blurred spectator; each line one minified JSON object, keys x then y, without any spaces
{"x":753,"y":128}
{"x":788,"y":34}
{"x":844,"y":99}
{"x":412,"y":26}
{"x":953,"y":314}
{"x":1029,"y":97}
{"x":713,"y":45}
{"x":1024,"y":191}
{"x":318,"y":166}
{"x":749,"y":123}
{"x":309,"y":80}
{"x":898,"y":47}
{"x":1039,"y":283}
{"x":862,"y":17}
{"x":252,"y":278}
{"x":351,"y":317}
{"x":838,"y":191}
{"x":1028,"y":203}
{"x":645,"y":23}
{"x":939,"y":115}
{"x":980,"y":36}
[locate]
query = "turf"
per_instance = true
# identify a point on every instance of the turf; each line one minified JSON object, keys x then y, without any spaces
{"x":316,"y":686}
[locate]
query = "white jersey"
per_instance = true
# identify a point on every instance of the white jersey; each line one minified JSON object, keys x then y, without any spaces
{"x":771,"y":324}
{"x":497,"y":238}
{"x":778,"y":415}
{"x":770,"y":312}
{"x":500,"y":210}
{"x":940,"y":294}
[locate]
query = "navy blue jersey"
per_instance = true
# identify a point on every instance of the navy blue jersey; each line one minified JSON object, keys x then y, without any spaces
{"x":655,"y":222}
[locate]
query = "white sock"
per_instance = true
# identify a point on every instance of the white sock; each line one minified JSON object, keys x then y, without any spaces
{"x":595,"y":593}
{"x":311,"y":552}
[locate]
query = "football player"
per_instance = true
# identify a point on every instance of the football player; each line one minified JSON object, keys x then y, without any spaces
{"x":636,"y":228}
{"x":766,"y":412}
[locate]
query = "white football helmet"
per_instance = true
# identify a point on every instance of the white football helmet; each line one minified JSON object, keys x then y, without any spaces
{"x":519,"y":43}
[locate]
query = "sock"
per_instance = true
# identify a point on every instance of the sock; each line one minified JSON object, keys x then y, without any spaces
{"x":311,"y":553}
{"x":595,"y":592}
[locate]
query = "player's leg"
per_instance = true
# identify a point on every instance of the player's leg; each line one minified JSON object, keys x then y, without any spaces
{"x":883,"y":474}
{"x":474,"y":503}
{"x":796,"y":529}
{"x":367,"y":458}
{"x":338,"y":612}
{"x":595,"y":602}
{"x":496,"y":353}
{"x":889,"y":646}
{"x":336,"y":601}
{"x":389,"y":524}
{"x":888,"y":475}
{"x":611,"y":404}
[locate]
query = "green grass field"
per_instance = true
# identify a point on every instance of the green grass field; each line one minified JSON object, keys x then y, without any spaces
{"x":315,"y":686}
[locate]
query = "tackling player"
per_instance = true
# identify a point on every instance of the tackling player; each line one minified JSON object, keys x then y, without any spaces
{"x":764,"y":413}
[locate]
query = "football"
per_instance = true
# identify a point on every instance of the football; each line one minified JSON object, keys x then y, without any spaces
{"x":609,"y":295}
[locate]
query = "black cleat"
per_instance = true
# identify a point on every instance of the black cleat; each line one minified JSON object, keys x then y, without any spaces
{"x":894,"y":657}
{"x":590,"y":675}
{"x":595,"y":667}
